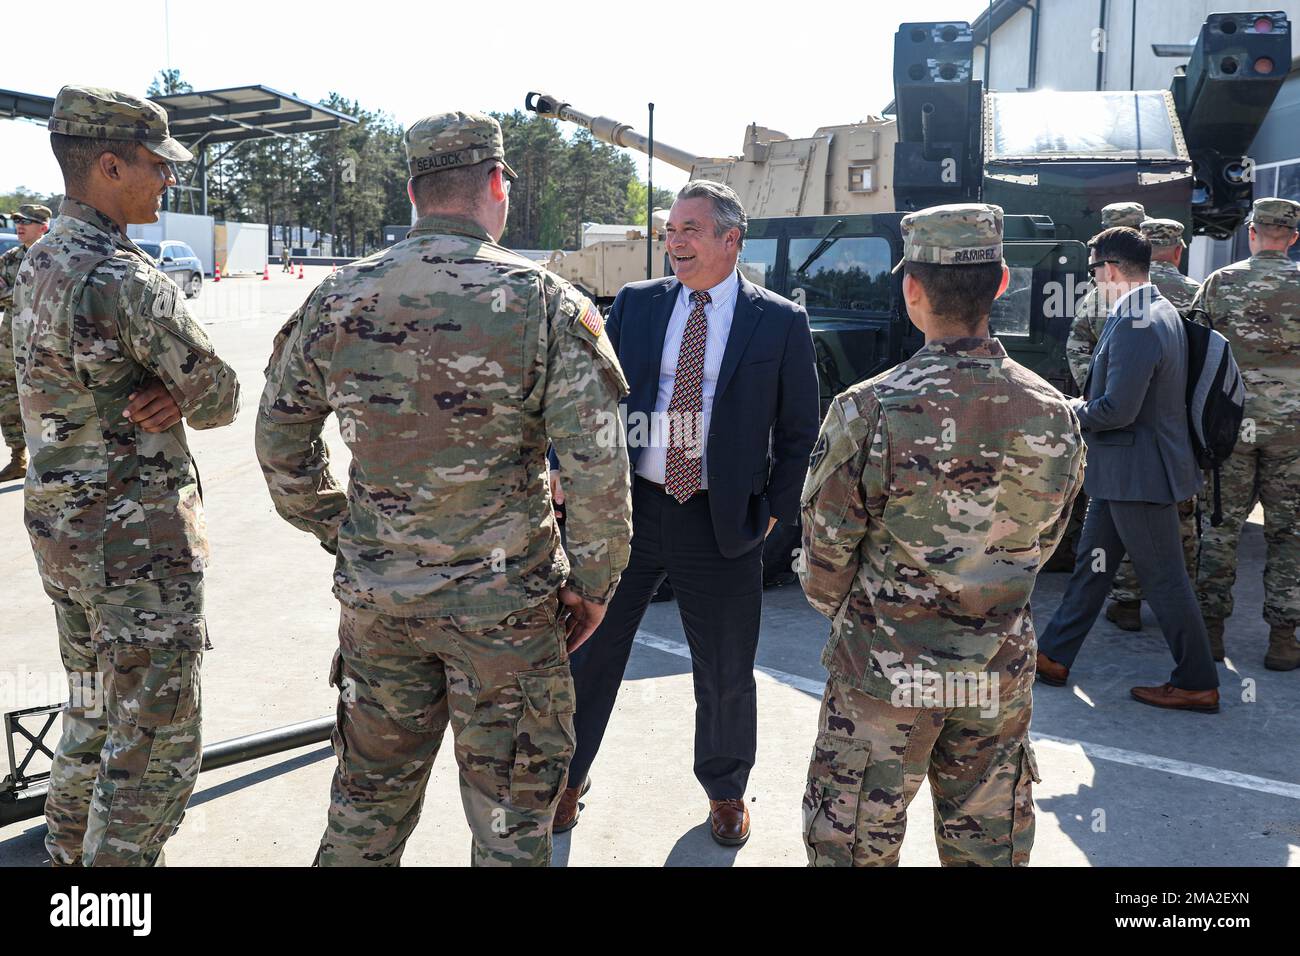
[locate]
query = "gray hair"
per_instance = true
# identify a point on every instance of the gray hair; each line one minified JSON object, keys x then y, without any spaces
{"x":728,"y":213}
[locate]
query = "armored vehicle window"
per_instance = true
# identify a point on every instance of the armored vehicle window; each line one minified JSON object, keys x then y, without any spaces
{"x":1010,"y":314}
{"x":758,"y":262}
{"x":849,"y":273}
{"x":1288,"y":181}
{"x":1087,"y":124}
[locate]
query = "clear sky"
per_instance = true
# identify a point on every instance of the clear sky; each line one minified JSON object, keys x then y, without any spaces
{"x":791,"y":66}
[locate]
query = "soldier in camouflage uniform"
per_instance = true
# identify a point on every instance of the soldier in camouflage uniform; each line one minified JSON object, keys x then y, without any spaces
{"x":108,"y":362}
{"x":1090,"y":317}
{"x":450,"y":363}
{"x":1167,"y":245}
{"x":1256,"y":305}
{"x":32,"y":222}
{"x":937,"y":490}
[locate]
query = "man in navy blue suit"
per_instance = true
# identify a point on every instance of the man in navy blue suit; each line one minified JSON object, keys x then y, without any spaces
{"x":722,"y":416}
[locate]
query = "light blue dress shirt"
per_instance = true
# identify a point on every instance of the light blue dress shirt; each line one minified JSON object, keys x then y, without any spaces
{"x":719,"y":313}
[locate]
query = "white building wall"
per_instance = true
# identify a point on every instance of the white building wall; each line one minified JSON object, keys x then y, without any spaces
{"x":1067,"y":58}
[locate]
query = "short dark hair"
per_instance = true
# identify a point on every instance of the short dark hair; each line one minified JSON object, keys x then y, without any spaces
{"x":77,"y":155}
{"x":1271,"y":232}
{"x":961,"y":294}
{"x":1126,"y":245}
{"x":456,"y":188}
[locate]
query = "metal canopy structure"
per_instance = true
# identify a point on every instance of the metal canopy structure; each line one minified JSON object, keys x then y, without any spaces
{"x":242,"y":113}
{"x":208,"y":118}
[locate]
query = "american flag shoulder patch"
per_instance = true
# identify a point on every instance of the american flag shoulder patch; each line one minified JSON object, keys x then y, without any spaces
{"x":591,"y":319}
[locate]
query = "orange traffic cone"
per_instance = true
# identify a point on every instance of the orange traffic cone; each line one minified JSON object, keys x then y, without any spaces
{"x":300,"y":273}
{"x":216,"y":273}
{"x":266,"y":273}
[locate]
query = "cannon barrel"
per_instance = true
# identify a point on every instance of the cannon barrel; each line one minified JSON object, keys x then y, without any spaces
{"x":608,"y":130}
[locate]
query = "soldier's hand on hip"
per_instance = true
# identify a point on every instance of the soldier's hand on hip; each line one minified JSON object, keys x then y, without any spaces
{"x":557,"y":490}
{"x":153,"y":408}
{"x":580,"y":618}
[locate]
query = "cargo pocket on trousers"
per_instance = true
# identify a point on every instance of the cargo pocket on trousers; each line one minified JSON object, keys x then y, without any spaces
{"x":1022,"y":808}
{"x":544,"y":738}
{"x":152,"y":661}
{"x":830,"y":802}
{"x":139,"y":823}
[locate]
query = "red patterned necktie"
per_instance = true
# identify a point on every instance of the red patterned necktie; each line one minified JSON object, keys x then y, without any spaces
{"x":685,"y":460}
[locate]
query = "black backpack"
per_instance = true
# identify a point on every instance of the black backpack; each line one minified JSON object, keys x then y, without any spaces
{"x":1216,"y":400}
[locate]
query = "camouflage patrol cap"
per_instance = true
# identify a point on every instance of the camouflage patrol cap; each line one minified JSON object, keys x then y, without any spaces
{"x":32,"y":213}
{"x":1163,"y":232}
{"x":1275,"y":212}
{"x":101,"y":113}
{"x":1122,"y":214}
{"x":452,"y":140}
{"x":958,"y":234}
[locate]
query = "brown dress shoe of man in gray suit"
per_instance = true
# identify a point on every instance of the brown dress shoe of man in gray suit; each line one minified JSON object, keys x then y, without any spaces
{"x":1175,"y":698}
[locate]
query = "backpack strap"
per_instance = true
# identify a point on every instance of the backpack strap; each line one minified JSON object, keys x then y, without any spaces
{"x":1216,"y":518}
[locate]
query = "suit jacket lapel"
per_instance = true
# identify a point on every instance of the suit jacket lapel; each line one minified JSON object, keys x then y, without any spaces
{"x":743,"y":322}
{"x":661,"y":312}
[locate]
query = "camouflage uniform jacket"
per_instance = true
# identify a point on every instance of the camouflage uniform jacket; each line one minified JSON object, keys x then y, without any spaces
{"x":1173,"y":285}
{"x":1255,"y":304}
{"x":94,"y":320}
{"x":1085,"y":333}
{"x":450,"y":362}
{"x":936,"y":492}
{"x":10,"y":260}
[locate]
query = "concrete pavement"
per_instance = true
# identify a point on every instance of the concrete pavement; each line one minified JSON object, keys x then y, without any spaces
{"x":1123,"y":784}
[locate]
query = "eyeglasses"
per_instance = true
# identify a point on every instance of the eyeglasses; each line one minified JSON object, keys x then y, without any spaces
{"x":1094,"y":266}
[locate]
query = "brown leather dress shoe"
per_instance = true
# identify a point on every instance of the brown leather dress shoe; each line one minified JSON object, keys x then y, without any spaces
{"x":1050,"y":672}
{"x":566,"y":811}
{"x":1175,"y":698}
{"x":729,"y":822}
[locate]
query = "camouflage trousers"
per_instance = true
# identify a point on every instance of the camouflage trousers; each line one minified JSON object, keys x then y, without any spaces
{"x":508,"y":695}
{"x":130,"y":750}
{"x":1261,"y":472}
{"x":11,"y":422}
{"x":871,"y":756}
{"x":1125,"y":586}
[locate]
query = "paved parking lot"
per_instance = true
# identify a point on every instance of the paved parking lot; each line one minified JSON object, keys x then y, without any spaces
{"x":1123,"y":784}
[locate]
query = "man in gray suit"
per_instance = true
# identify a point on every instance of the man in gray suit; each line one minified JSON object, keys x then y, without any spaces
{"x":1140,"y":465}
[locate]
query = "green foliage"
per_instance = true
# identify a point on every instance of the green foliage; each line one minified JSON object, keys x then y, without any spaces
{"x":636,"y":207}
{"x":563,"y":183}
{"x":166,"y":82}
{"x":351,"y":182}
{"x":10,"y":201}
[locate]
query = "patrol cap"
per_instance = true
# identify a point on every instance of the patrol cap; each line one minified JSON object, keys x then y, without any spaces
{"x":453,"y":140}
{"x":1122,"y":214}
{"x":959,"y":234}
{"x":1163,"y":232}
{"x":100,"y":113}
{"x":32,"y":213}
{"x":1275,"y":212}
